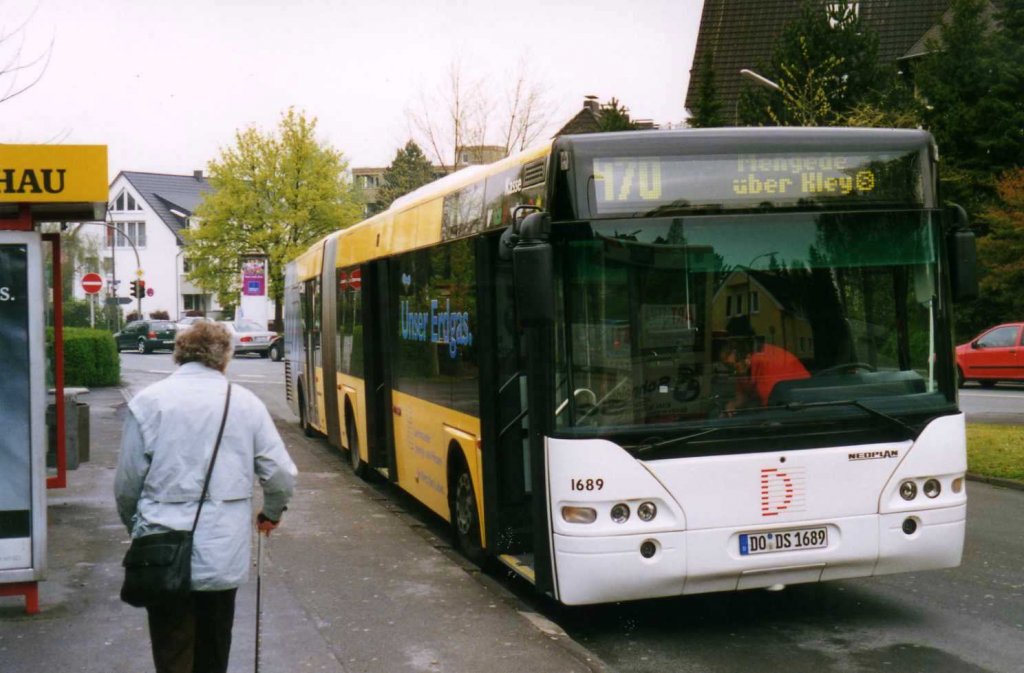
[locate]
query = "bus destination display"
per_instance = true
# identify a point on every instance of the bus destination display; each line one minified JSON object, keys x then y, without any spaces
{"x":645,"y":184}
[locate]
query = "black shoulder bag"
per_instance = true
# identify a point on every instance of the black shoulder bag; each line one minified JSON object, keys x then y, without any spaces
{"x":158,"y":567}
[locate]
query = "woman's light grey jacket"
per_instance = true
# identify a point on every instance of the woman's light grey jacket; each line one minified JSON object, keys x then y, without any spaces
{"x":167,"y":442}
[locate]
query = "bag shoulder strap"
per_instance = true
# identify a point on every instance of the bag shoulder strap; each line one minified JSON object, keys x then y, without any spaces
{"x":213,"y":459}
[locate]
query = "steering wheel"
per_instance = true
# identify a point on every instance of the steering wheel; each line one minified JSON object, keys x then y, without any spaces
{"x":846,"y":368}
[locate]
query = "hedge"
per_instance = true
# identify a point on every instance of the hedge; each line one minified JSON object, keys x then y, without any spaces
{"x":90,"y":357}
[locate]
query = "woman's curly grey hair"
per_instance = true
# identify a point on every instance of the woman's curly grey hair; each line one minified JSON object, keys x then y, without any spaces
{"x":208,"y":343}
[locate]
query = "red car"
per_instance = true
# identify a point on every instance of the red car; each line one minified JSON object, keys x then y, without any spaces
{"x":997,"y":354}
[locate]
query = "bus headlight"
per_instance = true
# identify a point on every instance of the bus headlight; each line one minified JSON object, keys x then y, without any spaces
{"x":579,"y":514}
{"x":647,"y":511}
{"x":908,"y":490}
{"x":620,"y":513}
{"x":932,"y":488}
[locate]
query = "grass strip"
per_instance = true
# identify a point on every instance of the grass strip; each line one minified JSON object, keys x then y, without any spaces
{"x":996,"y":450}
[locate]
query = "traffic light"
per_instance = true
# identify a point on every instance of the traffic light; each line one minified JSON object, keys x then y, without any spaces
{"x":135,"y":289}
{"x":141,"y":288}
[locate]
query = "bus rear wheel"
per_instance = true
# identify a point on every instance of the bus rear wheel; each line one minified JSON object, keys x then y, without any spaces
{"x":358,"y":466}
{"x":307,"y":429}
{"x":465,"y":521}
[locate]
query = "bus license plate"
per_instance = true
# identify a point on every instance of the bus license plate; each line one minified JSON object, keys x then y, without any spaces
{"x":783,"y":540}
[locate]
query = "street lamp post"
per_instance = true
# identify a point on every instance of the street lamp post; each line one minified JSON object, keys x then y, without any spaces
{"x":138,"y":263}
{"x":759,"y":80}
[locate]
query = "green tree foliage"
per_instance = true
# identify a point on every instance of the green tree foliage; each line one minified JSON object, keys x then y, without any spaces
{"x":614,"y":117}
{"x":825,"y":63}
{"x":707,"y":112}
{"x":273,"y":194}
{"x":971,"y":85}
{"x":972,"y":82}
{"x":954,"y":80}
{"x":408,"y":170}
{"x":1002,"y":250}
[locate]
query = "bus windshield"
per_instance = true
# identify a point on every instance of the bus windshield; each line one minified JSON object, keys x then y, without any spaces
{"x":717,"y":320}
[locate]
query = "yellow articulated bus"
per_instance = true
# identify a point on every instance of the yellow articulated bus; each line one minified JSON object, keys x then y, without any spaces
{"x":656,"y":363}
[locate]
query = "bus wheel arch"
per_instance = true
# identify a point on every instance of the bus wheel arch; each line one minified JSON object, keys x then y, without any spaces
{"x":463,"y":506}
{"x":352,"y":436}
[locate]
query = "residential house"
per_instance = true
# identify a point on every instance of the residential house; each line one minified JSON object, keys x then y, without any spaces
{"x":149,"y":212}
{"x":739,"y":34}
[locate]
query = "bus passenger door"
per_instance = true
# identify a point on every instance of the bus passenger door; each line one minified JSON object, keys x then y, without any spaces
{"x":377,"y":342}
{"x":513,"y":532}
{"x":311,"y":344}
{"x":329,"y":342}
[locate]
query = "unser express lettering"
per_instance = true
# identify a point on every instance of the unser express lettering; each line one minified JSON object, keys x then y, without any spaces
{"x":29,"y":181}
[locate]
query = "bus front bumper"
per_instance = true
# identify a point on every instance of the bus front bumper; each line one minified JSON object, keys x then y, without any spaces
{"x":603,"y":569}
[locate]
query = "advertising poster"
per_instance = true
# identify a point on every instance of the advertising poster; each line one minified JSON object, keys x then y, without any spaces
{"x":15,"y":411}
{"x":254,"y":283}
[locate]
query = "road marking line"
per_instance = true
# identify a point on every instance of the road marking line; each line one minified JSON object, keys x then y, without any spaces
{"x":991,"y":395}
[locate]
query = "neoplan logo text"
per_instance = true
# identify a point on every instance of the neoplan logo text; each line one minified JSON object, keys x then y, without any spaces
{"x":874,"y":455}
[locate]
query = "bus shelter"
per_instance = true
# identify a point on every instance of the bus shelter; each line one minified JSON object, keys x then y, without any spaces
{"x":38,"y":183}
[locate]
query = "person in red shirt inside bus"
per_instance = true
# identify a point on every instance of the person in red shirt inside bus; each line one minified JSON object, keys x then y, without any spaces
{"x":759,"y":366}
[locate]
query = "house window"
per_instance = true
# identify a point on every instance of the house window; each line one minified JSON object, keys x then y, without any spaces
{"x":125,"y":202}
{"x":755,"y":302}
{"x":136,"y":230}
{"x":840,"y":13}
{"x":193,"y":302}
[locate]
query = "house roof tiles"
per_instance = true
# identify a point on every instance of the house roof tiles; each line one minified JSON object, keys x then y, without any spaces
{"x":739,"y":34}
{"x":172,"y":197}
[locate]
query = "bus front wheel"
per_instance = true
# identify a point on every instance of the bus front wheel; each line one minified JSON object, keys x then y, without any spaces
{"x":465,"y":521}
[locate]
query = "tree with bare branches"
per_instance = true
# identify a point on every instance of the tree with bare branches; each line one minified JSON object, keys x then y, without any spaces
{"x":468,"y":111}
{"x":19,"y":72}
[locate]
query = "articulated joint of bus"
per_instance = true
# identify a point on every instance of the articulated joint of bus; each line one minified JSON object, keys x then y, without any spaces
{"x":624,"y":528}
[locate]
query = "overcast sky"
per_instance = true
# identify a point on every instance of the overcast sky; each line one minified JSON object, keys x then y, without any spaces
{"x":166,"y":83}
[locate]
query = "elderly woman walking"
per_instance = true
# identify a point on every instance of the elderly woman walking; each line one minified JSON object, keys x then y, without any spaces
{"x":168,"y":439}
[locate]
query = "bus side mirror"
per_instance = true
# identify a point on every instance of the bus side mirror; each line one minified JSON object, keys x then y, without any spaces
{"x":533,"y":271}
{"x":963,"y":256}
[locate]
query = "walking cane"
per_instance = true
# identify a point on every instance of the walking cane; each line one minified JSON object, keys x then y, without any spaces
{"x":259,"y":583}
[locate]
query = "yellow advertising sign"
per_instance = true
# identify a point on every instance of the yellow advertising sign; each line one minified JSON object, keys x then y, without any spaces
{"x":53,"y":173}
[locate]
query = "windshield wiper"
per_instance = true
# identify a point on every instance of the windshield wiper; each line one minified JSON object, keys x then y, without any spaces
{"x":892,"y":420}
{"x":644,"y":448}
{"x":651,"y":446}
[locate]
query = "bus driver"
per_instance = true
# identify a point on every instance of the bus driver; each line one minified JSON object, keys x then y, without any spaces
{"x":758,"y":366}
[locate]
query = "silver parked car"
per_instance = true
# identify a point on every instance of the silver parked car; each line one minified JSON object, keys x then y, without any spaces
{"x":251,"y":337}
{"x":187,"y":322}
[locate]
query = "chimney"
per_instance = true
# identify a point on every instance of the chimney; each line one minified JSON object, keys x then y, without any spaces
{"x":590,"y":103}
{"x":198,"y":175}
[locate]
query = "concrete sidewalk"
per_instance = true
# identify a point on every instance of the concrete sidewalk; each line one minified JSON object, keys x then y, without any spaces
{"x":350,"y":583}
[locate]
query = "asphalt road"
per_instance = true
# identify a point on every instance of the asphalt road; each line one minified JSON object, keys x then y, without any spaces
{"x":1002,"y":404}
{"x":969,"y":619}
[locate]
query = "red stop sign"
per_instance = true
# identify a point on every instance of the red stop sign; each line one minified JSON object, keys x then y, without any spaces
{"x":92,"y":283}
